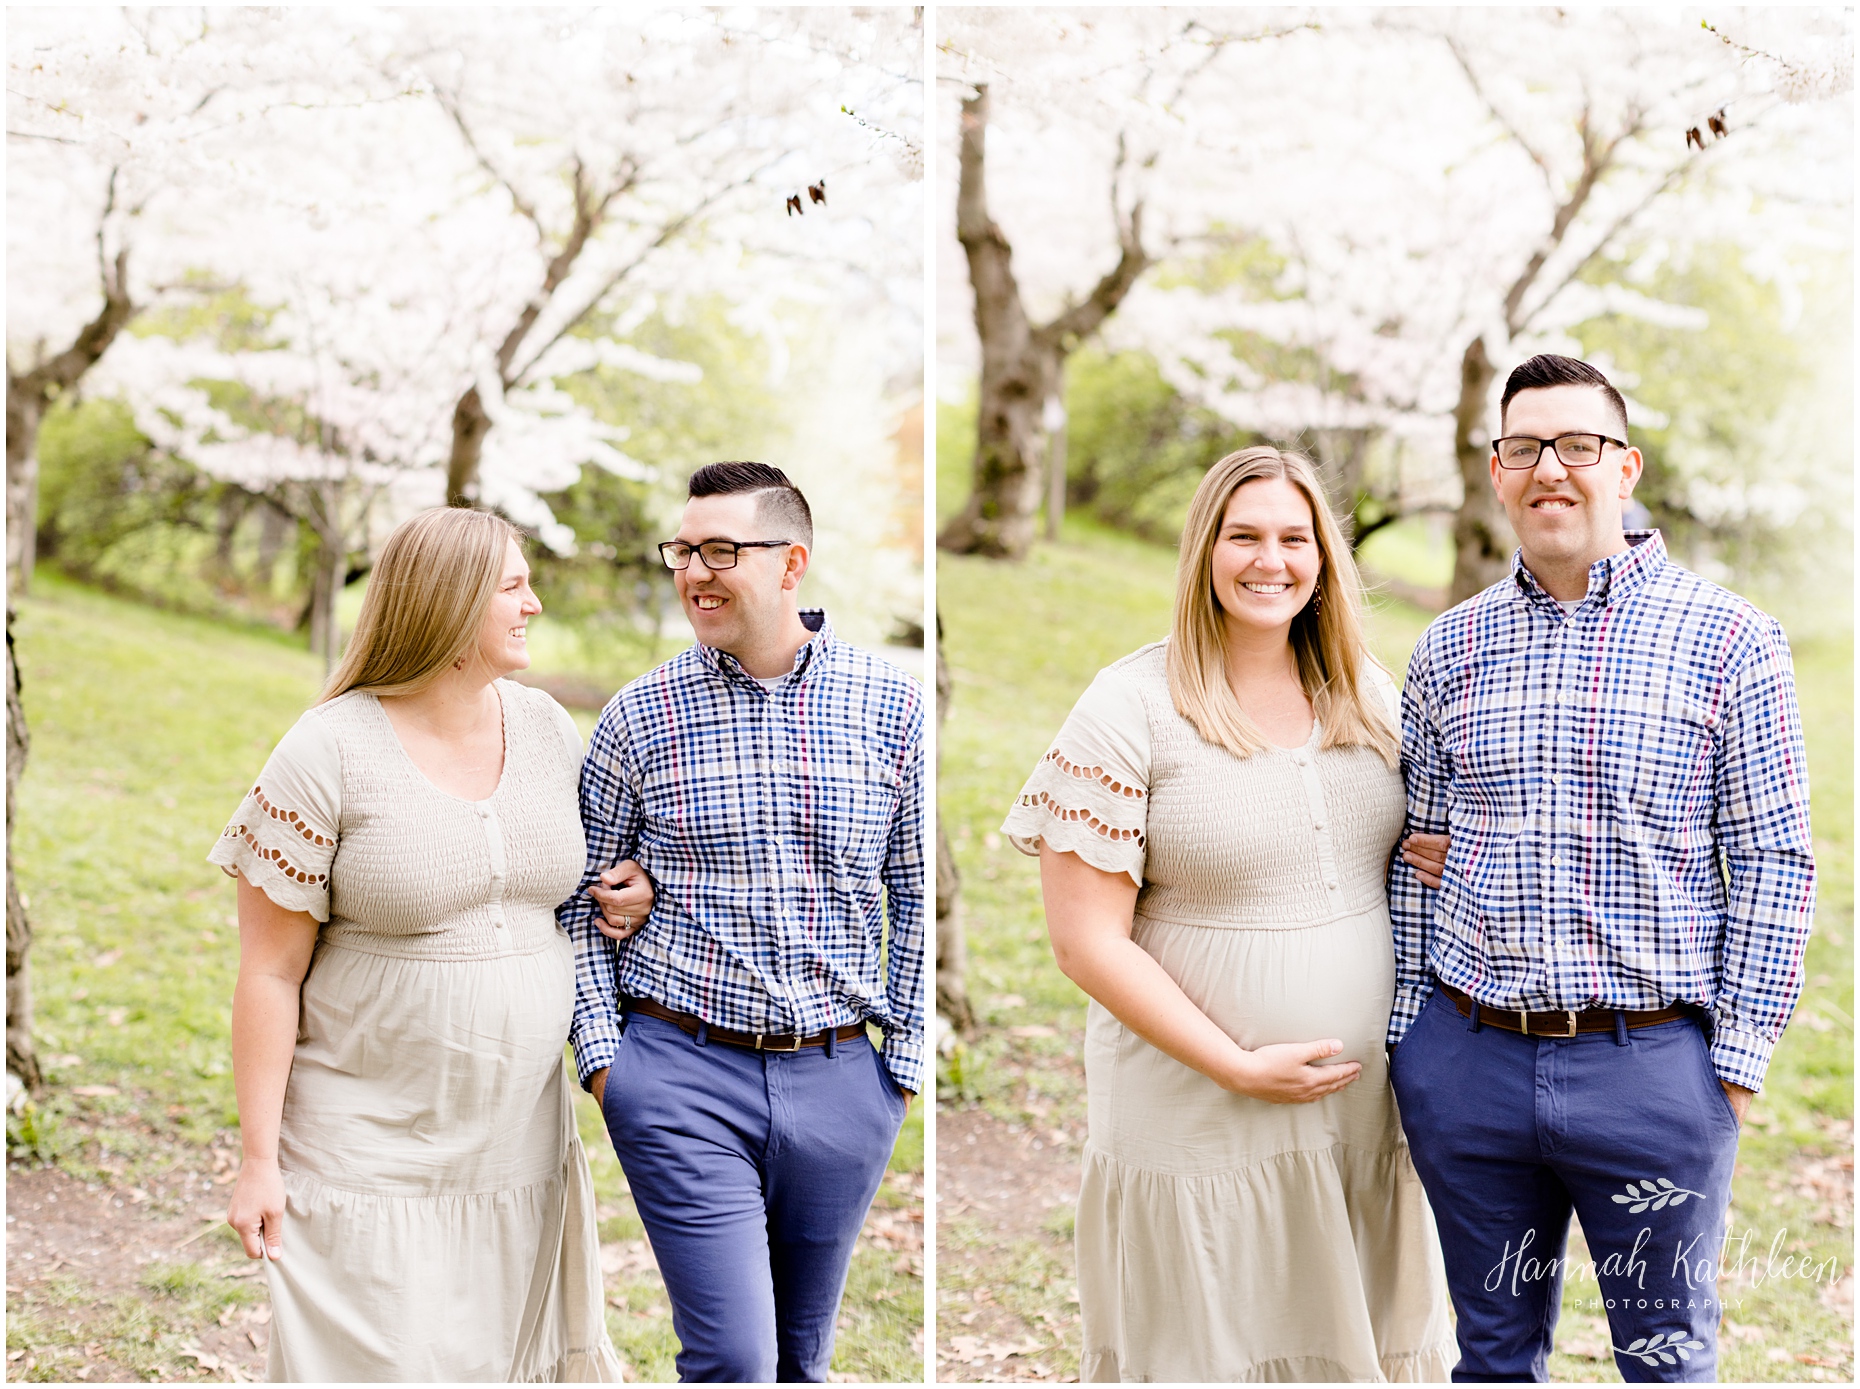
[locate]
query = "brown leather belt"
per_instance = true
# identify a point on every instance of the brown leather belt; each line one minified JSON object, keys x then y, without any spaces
{"x":1566,"y":1022}
{"x":755,"y":1041}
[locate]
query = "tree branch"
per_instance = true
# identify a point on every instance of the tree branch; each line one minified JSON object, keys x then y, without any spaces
{"x":522,"y":204}
{"x":666,"y":233}
{"x":1472,"y":77}
{"x":1614,"y":229}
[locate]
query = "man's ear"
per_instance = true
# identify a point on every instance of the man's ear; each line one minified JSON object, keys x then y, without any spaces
{"x":1631,"y":467}
{"x":1496,"y":472}
{"x":795,"y":568}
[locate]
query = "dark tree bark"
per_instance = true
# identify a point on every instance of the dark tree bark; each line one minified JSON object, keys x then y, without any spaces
{"x":1021,"y":360}
{"x":952,"y":949}
{"x":30,"y":393}
{"x":22,"y":1059}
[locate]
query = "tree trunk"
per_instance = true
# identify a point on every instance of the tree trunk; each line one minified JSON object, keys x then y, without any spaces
{"x":337,"y":569}
{"x":22,"y":1059}
{"x":24,"y":410}
{"x":1483,"y":540}
{"x":1021,"y":362}
{"x":469,"y":426}
{"x":952,"y":949}
{"x":1341,"y":454}
{"x":28,"y":395}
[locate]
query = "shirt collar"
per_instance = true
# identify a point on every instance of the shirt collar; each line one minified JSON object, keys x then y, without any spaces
{"x":1612,"y":577}
{"x":817,"y":648}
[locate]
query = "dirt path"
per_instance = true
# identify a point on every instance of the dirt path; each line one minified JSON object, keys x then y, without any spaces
{"x":1008,"y":1303}
{"x":108,"y":1282}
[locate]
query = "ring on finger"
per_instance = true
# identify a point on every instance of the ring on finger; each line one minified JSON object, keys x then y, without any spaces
{"x":626,"y":923}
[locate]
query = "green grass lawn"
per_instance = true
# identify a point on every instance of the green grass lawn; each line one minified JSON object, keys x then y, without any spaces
{"x":1024,"y":640}
{"x":147,"y":729}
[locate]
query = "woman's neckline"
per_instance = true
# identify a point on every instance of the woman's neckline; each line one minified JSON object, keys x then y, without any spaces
{"x":503,"y":771}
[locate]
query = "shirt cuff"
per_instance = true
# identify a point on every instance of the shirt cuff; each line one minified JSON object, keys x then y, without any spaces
{"x":1410,"y":999}
{"x":904,"y":1058}
{"x":1740,"y":1057}
{"x":596,"y":1040}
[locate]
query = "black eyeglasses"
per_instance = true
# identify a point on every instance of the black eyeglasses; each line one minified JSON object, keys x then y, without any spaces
{"x":716,"y":554}
{"x":1520,"y":451}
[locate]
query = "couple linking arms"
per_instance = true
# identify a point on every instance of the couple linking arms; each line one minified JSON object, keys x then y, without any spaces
{"x":408,"y":980}
{"x":1580,"y":1000}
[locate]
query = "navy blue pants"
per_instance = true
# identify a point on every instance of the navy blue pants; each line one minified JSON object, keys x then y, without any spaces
{"x":752,"y":1172}
{"x":1509,"y":1134}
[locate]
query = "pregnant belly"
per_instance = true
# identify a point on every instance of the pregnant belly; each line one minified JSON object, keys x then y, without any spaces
{"x":1300,"y":985}
{"x":420,"y":1075}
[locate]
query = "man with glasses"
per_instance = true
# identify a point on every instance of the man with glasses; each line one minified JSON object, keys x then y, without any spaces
{"x":770,"y":780}
{"x":1585,"y":1007}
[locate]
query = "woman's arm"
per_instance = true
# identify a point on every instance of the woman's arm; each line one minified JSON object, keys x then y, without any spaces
{"x":1088,"y":916}
{"x":274,"y":955}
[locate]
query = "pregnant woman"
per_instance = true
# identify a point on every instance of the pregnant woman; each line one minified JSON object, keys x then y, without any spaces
{"x":1213,"y":823}
{"x":412,"y":1169}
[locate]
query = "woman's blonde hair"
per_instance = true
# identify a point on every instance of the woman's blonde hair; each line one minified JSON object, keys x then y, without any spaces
{"x":1334,"y":664}
{"x":426,"y":600}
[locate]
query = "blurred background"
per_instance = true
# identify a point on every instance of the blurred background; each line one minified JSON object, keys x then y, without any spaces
{"x":276,"y":279}
{"x":1165,"y":234}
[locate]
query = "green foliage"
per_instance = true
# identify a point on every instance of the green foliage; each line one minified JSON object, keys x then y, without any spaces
{"x":37,"y":1134}
{"x":614,"y":589}
{"x":1234,"y":258}
{"x":1135,"y":448}
{"x":1728,"y":391}
{"x":955,"y":453}
{"x":118,"y":513}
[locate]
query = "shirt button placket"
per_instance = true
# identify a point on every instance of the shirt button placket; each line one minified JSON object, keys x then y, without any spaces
{"x":494,"y":844}
{"x":1306,"y":763}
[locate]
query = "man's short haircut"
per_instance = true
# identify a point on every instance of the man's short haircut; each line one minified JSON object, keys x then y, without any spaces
{"x":779,"y":503}
{"x":1547,"y":369}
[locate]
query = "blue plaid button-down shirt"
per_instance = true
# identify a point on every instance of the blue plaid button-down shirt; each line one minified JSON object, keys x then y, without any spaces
{"x":1627,"y":795}
{"x":769,"y":821}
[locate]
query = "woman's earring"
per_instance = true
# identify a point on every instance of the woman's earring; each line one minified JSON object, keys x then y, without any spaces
{"x":459,"y":664}
{"x":1317,"y":600}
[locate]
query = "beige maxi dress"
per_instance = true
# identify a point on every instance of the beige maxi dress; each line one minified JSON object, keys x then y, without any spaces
{"x":439,"y":1221}
{"x":1220,"y":1237}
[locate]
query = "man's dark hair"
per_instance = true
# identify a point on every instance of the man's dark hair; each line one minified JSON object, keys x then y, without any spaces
{"x":1547,"y":369}
{"x":779,"y":503}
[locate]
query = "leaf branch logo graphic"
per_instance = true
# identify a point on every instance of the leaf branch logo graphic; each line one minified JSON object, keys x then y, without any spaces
{"x":1654,"y":1195}
{"x":1660,"y":1350}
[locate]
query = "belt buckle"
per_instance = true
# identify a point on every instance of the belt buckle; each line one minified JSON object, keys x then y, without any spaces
{"x":761,"y":1047}
{"x":1570,"y":1013}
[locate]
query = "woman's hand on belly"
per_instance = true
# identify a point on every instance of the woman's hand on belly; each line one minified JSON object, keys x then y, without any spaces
{"x":1089,"y":917}
{"x":1292,"y":1073}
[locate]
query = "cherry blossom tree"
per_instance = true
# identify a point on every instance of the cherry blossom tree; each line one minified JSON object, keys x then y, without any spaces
{"x":1358,"y":223}
{"x":1101,"y":87}
{"x":443,"y":216}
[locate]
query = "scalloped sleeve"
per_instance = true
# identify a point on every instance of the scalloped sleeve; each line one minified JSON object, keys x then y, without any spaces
{"x":283,"y":837}
{"x":1090,"y":794}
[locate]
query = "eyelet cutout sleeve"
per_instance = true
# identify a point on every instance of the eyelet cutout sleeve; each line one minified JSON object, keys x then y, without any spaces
{"x":1089,"y":795}
{"x":283,"y":837}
